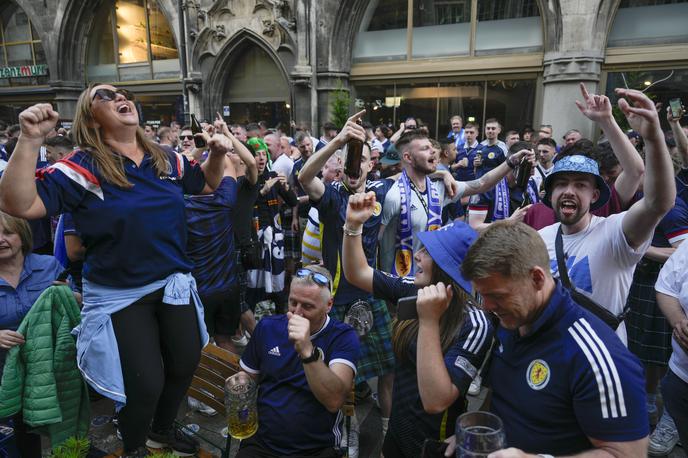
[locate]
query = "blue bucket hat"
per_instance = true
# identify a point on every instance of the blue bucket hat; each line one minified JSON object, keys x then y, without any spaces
{"x":577,"y":164}
{"x":448,"y":246}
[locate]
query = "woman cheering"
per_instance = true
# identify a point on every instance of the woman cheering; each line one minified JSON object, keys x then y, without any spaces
{"x":142,"y":329}
{"x":438,"y":354}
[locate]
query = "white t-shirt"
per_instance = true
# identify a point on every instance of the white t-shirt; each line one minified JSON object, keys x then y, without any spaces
{"x":283,"y":164}
{"x":540,"y":174}
{"x":673,"y":281}
{"x":419,"y":219}
{"x":600,"y":261}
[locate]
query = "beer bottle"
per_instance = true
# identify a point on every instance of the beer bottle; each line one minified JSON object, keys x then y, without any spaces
{"x":199,"y":141}
{"x":354,"y":152}
{"x":523,"y":175}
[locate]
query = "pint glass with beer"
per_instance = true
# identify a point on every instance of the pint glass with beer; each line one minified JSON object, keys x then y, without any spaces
{"x":241,"y":395}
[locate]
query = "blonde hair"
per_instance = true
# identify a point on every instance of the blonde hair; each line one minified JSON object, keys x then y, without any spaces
{"x":110,"y":165}
{"x":20,"y":227}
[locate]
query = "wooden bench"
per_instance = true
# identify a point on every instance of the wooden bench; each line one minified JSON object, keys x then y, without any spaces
{"x":208,"y":384}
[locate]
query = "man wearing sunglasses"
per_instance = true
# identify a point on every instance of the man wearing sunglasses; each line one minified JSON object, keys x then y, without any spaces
{"x":305,"y":363}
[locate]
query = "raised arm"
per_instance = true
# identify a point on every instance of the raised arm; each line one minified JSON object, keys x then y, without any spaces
{"x":18,"y":194}
{"x":308,"y":178}
{"x":491,"y":178}
{"x":598,"y":109}
{"x":214,"y":166}
{"x":356,"y":268}
{"x":659,"y":185}
{"x":239,"y":148}
{"x":679,"y":135}
{"x":396,"y":135}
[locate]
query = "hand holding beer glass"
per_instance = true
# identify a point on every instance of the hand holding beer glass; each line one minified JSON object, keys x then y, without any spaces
{"x":241,"y":395}
{"x":478,"y":434}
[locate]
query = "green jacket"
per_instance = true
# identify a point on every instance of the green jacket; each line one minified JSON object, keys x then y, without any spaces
{"x":41,"y":378}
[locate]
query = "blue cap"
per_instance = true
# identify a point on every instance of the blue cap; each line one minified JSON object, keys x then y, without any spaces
{"x":577,"y":164}
{"x":448,"y":246}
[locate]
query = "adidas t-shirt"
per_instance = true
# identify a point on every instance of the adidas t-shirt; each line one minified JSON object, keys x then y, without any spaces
{"x":285,"y":400}
{"x":600,"y":262}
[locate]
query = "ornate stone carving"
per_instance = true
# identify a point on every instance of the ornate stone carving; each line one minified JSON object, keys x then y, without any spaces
{"x":572,"y":67}
{"x":269,"y":27}
{"x":220,"y":32}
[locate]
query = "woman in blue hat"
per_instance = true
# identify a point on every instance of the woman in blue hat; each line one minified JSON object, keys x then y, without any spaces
{"x":438,"y":354}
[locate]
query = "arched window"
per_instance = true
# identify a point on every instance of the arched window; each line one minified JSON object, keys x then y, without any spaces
{"x":22,"y":60}
{"x":442,"y":28}
{"x":649,"y":22}
{"x":131,"y":40}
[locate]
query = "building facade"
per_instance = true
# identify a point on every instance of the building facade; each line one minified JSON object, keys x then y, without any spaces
{"x":282,"y":60}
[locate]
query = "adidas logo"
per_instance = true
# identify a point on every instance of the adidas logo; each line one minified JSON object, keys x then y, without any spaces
{"x":275,"y":352}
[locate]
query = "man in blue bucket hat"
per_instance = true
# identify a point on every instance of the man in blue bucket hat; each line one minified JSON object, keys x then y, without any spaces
{"x":601,"y":253}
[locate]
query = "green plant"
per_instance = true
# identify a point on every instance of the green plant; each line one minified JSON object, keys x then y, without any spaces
{"x":72,"y":448}
{"x":163,"y":455}
{"x":339,"y":105}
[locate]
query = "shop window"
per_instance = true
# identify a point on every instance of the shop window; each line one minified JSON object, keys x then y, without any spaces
{"x":383,"y":32}
{"x":22,"y":60}
{"x":132,"y":41}
{"x":441,"y":28}
{"x":512,"y":25}
{"x":448,"y":28}
{"x":434,"y":102}
{"x":649,"y":22}
{"x":660,"y":85}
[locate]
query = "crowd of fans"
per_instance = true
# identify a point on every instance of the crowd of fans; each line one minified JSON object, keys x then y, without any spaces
{"x":550,"y":273}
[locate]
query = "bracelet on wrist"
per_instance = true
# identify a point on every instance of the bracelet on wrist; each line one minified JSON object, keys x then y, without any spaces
{"x":351,"y":233}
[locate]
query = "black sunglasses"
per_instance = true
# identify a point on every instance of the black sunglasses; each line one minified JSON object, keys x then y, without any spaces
{"x":186,"y":137}
{"x":318,"y":278}
{"x":108,"y":94}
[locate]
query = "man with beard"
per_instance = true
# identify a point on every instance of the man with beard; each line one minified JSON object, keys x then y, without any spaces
{"x":376,"y":358}
{"x":601,"y":253}
{"x":414,"y":204}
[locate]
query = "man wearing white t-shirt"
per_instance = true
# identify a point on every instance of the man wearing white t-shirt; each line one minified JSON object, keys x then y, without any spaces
{"x":418,"y":162}
{"x":601,"y":253}
{"x":672,"y":298}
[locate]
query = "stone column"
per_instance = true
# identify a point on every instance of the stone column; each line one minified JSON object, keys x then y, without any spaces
{"x":66,"y":95}
{"x":562,"y":73}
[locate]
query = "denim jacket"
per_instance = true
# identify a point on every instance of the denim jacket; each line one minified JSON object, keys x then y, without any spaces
{"x":97,"y":355}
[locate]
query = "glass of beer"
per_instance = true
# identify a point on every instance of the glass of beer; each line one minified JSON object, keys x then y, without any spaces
{"x":241,"y":394}
{"x":478,"y":434}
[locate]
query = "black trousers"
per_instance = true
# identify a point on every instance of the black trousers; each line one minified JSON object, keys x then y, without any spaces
{"x":159,"y":348}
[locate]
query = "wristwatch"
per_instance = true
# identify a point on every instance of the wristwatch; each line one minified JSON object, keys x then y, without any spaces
{"x":315,"y":356}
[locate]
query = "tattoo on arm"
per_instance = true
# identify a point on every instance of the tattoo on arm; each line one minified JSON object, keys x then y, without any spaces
{"x":475,"y":185}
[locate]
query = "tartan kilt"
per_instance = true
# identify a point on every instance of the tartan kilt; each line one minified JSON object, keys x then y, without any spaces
{"x":376,"y":356}
{"x":649,"y":332}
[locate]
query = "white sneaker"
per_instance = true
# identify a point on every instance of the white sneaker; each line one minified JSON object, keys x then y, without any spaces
{"x":474,"y":389}
{"x":203,"y":409}
{"x":664,"y":438}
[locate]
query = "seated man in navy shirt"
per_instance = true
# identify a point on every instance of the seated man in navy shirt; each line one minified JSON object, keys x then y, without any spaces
{"x":562,"y":382}
{"x":304,"y":363}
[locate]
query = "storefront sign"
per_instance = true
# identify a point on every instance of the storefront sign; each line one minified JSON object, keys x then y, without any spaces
{"x":25,"y":71}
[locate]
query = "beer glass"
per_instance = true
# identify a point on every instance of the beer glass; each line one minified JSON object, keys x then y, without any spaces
{"x":478,"y":434}
{"x":241,"y":395}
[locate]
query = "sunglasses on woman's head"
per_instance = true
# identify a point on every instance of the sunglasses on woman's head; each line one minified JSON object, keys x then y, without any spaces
{"x":108,"y":94}
{"x":318,"y":278}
